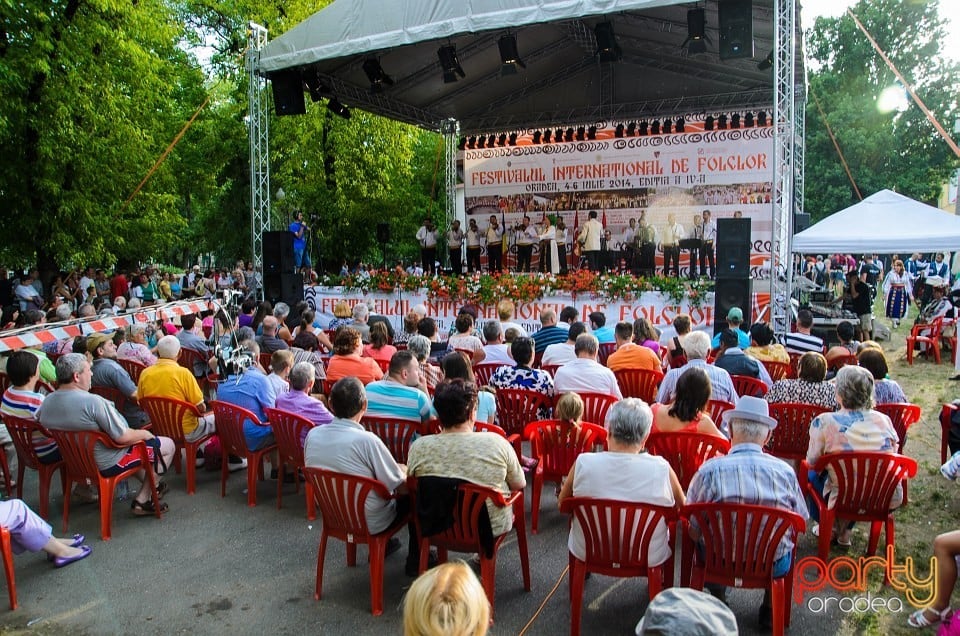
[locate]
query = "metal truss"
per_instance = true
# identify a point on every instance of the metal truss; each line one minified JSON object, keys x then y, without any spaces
{"x":259,"y":129}
{"x":450,"y":129}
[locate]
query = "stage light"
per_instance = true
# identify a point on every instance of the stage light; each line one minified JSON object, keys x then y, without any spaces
{"x":450,"y":63}
{"x":680,"y":124}
{"x":766,"y":63}
{"x":462,"y":144}
{"x":513,"y":139}
{"x":581,"y":131}
{"x":748,"y":120}
{"x":546,"y":135}
{"x":607,"y":48}
{"x":375,"y":73}
{"x":592,"y":132}
{"x":631,"y":129}
{"x":568,"y":135}
{"x":735,"y":120}
{"x":317,"y":87}
{"x":558,"y":135}
{"x":509,"y":57}
{"x":696,"y":31}
{"x":490,"y":141}
{"x":472,"y":143}
{"x":536,"y":137}
{"x":708,"y":123}
{"x":481,"y":141}
{"x":666,"y":126}
{"x":655,"y":127}
{"x":722,"y":122}
{"x":643,"y":128}
{"x":762,"y":118}
{"x":335,"y":107}
{"x":502,"y":139}
{"x":618,"y":131}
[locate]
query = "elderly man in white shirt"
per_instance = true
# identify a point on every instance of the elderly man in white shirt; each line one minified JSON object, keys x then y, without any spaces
{"x":585,"y":374}
{"x":696,"y":346}
{"x":497,"y":352}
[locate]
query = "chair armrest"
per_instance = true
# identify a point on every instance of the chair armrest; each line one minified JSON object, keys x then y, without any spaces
{"x":514,"y":440}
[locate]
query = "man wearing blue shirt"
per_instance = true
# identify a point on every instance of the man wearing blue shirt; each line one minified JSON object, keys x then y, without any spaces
{"x":250,"y":390}
{"x":734,"y":320}
{"x":299,"y":229}
{"x":598,"y":328}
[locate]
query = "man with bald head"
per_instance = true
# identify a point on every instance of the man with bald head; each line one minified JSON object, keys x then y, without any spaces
{"x":269,"y":341}
{"x":550,"y":333}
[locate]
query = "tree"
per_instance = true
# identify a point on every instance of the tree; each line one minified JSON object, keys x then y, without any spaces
{"x":900,"y":151}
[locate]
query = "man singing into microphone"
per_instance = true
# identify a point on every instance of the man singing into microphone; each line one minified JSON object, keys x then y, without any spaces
{"x":301,"y":257}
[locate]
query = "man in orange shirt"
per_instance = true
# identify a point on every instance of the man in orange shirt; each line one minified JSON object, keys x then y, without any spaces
{"x":629,"y":355}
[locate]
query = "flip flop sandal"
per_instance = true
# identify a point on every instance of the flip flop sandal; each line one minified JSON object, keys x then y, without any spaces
{"x":841,"y":544}
{"x":146,"y":508}
{"x":162,"y":489}
{"x":919,"y":619}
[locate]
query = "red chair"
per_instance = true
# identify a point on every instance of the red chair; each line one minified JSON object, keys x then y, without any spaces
{"x":842,"y":361}
{"x":45,"y":387}
{"x":327,"y":386}
{"x":76,"y":448}
{"x":115,"y":396}
{"x":685,"y":452}
{"x":595,"y":407}
{"x":23,"y":431}
{"x":266,"y":359}
{"x":484,"y":371}
{"x":518,"y":407}
{"x":397,"y":434}
{"x":341,"y":498}
{"x":132,"y":367}
{"x":745,"y":385}
{"x":617,"y":537}
{"x":290,"y":431}
{"x":464,"y":534}
{"x":946,"y":414}
{"x":739,"y":549}
{"x":604,"y":351}
{"x":557,"y":444}
{"x":190,"y":357}
{"x":716,"y":409}
{"x":903,"y":416}
{"x":486,"y":427}
{"x":639,"y":383}
{"x":931,"y":339}
{"x":865,"y":484}
{"x":777,"y":370}
{"x":167,"y":415}
{"x":794,"y":364}
{"x":384,"y":365}
{"x":791,"y":437}
{"x":230,"y":421}
{"x":4,"y":382}
{"x":551,"y":369}
{"x":6,"y":551}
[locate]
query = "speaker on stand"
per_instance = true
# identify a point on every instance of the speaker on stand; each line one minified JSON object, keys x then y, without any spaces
{"x":734,"y":286}
{"x":735,"y":19}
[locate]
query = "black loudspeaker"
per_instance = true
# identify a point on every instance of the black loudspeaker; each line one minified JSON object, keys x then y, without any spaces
{"x":801,"y":221}
{"x":383,"y":233}
{"x":284,"y":287}
{"x":278,"y":252}
{"x":288,"y":93}
{"x":733,"y":248}
{"x":731,"y":292}
{"x":736,"y":28}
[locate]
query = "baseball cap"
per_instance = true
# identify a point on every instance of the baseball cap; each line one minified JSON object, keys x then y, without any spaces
{"x":736,"y":314}
{"x":96,"y":340}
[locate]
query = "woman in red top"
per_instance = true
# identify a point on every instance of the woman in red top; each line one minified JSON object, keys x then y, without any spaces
{"x":686,"y":414}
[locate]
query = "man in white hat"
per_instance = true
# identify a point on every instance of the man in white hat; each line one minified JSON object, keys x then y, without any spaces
{"x":747,"y":475}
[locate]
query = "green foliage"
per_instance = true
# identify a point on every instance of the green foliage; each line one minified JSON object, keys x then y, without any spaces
{"x":899,"y":151}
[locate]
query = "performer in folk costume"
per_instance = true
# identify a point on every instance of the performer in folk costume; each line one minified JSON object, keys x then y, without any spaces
{"x":549,"y":257}
{"x":897,"y":292}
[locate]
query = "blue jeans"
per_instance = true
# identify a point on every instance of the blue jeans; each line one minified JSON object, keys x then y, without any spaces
{"x":818,"y":481}
{"x":301,"y":258}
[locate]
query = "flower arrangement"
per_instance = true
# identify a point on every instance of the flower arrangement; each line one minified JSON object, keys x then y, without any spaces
{"x":486,"y":288}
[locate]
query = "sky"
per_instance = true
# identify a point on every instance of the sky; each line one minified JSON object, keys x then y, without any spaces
{"x":811,"y":9}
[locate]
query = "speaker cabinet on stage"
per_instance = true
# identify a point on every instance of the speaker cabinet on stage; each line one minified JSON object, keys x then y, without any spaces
{"x":733,"y":248}
{"x":383,"y":233}
{"x":731,"y":292}
{"x":285,"y":286}
{"x":801,"y":221}
{"x":736,"y":28}
{"x":288,"y":93}
{"x":278,"y":252}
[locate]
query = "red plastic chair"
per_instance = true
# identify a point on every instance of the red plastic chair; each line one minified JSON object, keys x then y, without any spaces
{"x":777,"y":370}
{"x":6,"y":551}
{"x":865,"y":484}
{"x":745,"y":385}
{"x":464,"y":535}
{"x":716,"y":409}
{"x":22,"y":431}
{"x":327,"y":386}
{"x":341,"y":498}
{"x":551,"y":369}
{"x":617,"y":537}
{"x":739,"y":549}
{"x":595,"y":407}
{"x":397,"y":434}
{"x":946,"y":414}
{"x":791,"y":437}
{"x":518,"y":407}
{"x":4,"y":382}
{"x":187,"y":359}
{"x":639,"y":383}
{"x":486,"y":427}
{"x":794,"y":364}
{"x":76,"y":448}
{"x":290,"y":431}
{"x":230,"y":420}
{"x":686,"y":452}
{"x":484,"y":371}
{"x":115,"y":396}
{"x":265,"y":361}
{"x":166,"y":416}
{"x":132,"y":367}
{"x":604,"y":351}
{"x":931,"y":339}
{"x":7,"y":478}
{"x":843,"y":361}
{"x":557,"y":444}
{"x":903,"y":415}
{"x":384,"y":365}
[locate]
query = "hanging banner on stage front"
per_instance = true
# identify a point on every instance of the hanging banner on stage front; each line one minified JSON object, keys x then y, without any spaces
{"x":656,"y":179}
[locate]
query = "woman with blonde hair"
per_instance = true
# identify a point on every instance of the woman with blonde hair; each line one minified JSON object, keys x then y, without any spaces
{"x":343,"y":315}
{"x":447,"y":599}
{"x":569,"y":409}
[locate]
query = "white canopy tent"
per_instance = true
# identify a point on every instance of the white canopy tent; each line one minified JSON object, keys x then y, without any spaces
{"x":885,"y":223}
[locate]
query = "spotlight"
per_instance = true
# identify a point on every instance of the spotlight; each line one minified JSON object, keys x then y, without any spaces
{"x":762,"y":118}
{"x":509,"y":57}
{"x":317,"y":87}
{"x":450,"y":63}
{"x":568,"y":135}
{"x":748,"y":120}
{"x":502,"y":139}
{"x":490,"y":141}
{"x":376,"y":75}
{"x":618,"y":131}
{"x":472,"y":143}
{"x":722,"y":122}
{"x":581,"y":131}
{"x":696,"y":31}
{"x":536,"y":137}
{"x":666,"y":126}
{"x":481,"y":141}
{"x":631,"y":129}
{"x":592,"y":132}
{"x":655,"y":127}
{"x":735,"y":120}
{"x":766,"y":63}
{"x":335,"y":107}
{"x":607,"y":48}
{"x":679,"y":126}
{"x":546,"y":135}
{"x":558,"y":135}
{"x":643,"y":128}
{"x":708,"y":123}
{"x":513,"y":139}
{"x":462,"y":144}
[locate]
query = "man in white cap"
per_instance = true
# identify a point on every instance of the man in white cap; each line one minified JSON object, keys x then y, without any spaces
{"x":747,"y":475}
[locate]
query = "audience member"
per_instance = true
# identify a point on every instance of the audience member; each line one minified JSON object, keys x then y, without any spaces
{"x":401,"y":394}
{"x":630,"y":355}
{"x":270,"y":341}
{"x":347,"y":361}
{"x":848,"y":346}
{"x":810,"y":386}
{"x":496,"y":351}
{"x":686,"y":413}
{"x":281,"y":361}
{"x":681,"y":327}
{"x":802,"y":341}
{"x":456,"y":366}
{"x":464,"y":340}
{"x":762,"y":346}
{"x":696,"y":347}
{"x":28,"y":531}
{"x":427,"y":327}
{"x":885,"y":390}
{"x":379,"y":348}
{"x":505,"y":311}
{"x":734,"y":320}
{"x":108,"y":373}
{"x":431,"y":374}
{"x":585,"y":374}
{"x":564,"y":352}
{"x":447,"y":599}
{"x":298,"y":399}
{"x":135,"y":346}
{"x":521,"y":375}
{"x":734,"y":361}
{"x":549,"y":333}
{"x":598,"y":327}
{"x":645,"y":335}
{"x":250,"y":389}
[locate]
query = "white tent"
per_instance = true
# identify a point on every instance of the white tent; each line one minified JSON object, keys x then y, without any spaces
{"x":885,"y":223}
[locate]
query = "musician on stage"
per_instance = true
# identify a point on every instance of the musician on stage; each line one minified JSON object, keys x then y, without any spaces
{"x":646,"y":239}
{"x":561,"y":234}
{"x":673,"y":232}
{"x":696,"y":245}
{"x":494,"y":238}
{"x":589,"y":241}
{"x":474,"y":246}
{"x":629,"y":244}
{"x":549,"y":261}
{"x":455,"y":246}
{"x":526,"y":236}
{"x":709,"y":231}
{"x":427,"y":237}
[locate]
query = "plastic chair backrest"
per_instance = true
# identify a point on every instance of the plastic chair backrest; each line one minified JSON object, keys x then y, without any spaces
{"x":4,"y":382}
{"x":777,"y":370}
{"x":518,"y":407}
{"x":795,"y":364}
{"x":745,"y":385}
{"x":384,"y":365}
{"x":290,"y":430}
{"x":686,"y":452}
{"x":946,"y":423}
{"x":791,"y":437}
{"x":133,"y":368}
{"x":464,"y":534}
{"x":595,"y":407}
{"x":341,"y":498}
{"x":617,"y":534}
{"x":604,"y":351}
{"x":76,"y":449}
{"x":327,"y":386}
{"x":167,"y":415}
{"x":115,"y":396}
{"x":557,"y":444}
{"x":396,"y":434}
{"x":843,"y":361}
{"x":903,"y":415}
{"x":266,"y":360}
{"x":716,"y":409}
{"x":551,"y":369}
{"x":22,"y":432}
{"x":639,"y":383}
{"x":865,"y":483}
{"x":484,"y":371}
{"x":230,"y":419}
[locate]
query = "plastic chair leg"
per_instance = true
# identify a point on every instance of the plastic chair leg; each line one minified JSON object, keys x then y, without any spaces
{"x":778,"y":603}
{"x":281,"y":475}
{"x":488,"y":578}
{"x":251,"y":482}
{"x":351,"y":554}
{"x":106,"y":506}
{"x":537,"y":490}
{"x":321,"y":554}
{"x":378,"y":549}
{"x":826,"y":532}
{"x":20,"y":470}
{"x":655,"y":580}
{"x":577,"y":572}
{"x":521,"y":530}
{"x":7,"y":552}
{"x":311,"y":502}
{"x":68,"y":487}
